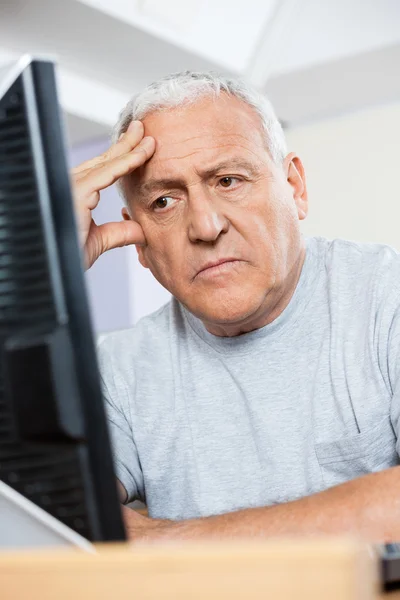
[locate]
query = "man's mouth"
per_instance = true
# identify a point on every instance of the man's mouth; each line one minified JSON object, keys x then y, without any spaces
{"x":217,"y":268}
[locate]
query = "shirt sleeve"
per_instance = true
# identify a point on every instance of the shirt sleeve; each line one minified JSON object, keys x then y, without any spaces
{"x":116,"y":400}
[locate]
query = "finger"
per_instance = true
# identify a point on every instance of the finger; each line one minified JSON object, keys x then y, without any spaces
{"x":119,"y":234}
{"x":107,"y":173}
{"x":127,"y":142}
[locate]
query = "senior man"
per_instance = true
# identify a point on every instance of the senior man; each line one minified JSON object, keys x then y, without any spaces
{"x":264,"y":398}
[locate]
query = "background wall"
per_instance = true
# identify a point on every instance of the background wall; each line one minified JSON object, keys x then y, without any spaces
{"x":352,"y":168}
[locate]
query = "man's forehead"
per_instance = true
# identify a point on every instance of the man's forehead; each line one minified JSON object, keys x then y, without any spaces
{"x":199,"y":137}
{"x":205,"y":118}
{"x":204,"y":150}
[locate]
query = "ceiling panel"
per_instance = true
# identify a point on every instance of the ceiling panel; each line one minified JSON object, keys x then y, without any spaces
{"x":326,"y":31}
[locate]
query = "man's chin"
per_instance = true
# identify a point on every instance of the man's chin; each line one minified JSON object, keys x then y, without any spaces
{"x":221,"y":308}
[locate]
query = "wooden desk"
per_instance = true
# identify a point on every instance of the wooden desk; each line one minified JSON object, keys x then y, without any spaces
{"x":319,"y":569}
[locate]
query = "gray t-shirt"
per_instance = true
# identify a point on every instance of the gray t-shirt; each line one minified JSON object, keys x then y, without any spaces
{"x":204,"y":425}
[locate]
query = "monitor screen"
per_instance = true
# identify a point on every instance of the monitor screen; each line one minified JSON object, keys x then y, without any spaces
{"x":54,"y":442}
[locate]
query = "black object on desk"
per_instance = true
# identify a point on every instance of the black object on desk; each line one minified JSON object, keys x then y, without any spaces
{"x":390,"y":566}
{"x":54,"y":443}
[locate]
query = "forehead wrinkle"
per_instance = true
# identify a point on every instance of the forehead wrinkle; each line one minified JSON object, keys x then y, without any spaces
{"x":177,"y":181}
{"x":182,"y":141}
{"x":162,"y":144}
{"x":216,"y":147}
{"x":182,"y":157}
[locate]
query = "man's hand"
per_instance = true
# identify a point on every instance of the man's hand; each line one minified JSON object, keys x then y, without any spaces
{"x":130,"y":152}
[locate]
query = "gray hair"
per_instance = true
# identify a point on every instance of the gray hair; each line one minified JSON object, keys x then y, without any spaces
{"x":187,"y":87}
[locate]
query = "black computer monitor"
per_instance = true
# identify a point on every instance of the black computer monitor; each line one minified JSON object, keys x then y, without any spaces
{"x":54,"y":442}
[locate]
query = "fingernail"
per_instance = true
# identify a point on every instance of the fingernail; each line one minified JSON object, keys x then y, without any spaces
{"x":134,"y":125}
{"x":147,"y":141}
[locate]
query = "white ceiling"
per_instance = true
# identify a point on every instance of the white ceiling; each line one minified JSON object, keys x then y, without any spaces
{"x":315,"y":58}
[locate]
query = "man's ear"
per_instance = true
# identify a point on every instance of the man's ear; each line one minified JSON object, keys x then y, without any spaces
{"x":139,"y":248}
{"x":125,"y":214}
{"x":296,"y":177}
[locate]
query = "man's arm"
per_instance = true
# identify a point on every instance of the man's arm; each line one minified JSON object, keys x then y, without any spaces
{"x":368,"y":507}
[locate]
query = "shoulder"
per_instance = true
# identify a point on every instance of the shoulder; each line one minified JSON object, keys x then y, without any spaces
{"x":128,"y":349}
{"x":144,"y":330}
{"x":362,"y":262}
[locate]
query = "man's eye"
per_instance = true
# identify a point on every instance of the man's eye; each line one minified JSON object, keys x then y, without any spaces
{"x":227,"y":182}
{"x":162,"y":202}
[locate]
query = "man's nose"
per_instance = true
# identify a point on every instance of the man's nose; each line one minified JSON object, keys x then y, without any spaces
{"x":206,"y":219}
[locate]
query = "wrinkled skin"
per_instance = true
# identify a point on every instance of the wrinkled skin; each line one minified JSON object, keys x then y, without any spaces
{"x":212,"y":191}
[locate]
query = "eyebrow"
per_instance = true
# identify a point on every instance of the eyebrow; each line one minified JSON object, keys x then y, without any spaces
{"x":155,"y":184}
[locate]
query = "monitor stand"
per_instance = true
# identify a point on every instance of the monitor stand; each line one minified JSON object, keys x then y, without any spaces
{"x":25,"y":525}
